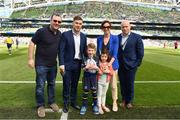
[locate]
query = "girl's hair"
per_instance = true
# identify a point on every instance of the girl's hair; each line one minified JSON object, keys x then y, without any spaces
{"x":105,"y":51}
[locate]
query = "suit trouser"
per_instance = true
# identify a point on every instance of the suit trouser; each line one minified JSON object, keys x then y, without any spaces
{"x":70,"y":83}
{"x":113,"y":83}
{"x":127,"y":78}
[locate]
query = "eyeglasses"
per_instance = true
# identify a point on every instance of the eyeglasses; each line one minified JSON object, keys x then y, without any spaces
{"x":57,"y":21}
{"x":106,"y":27}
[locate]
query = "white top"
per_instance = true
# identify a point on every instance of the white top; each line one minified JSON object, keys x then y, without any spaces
{"x":77,"y":45}
{"x":92,"y":62}
{"x":124,"y":40}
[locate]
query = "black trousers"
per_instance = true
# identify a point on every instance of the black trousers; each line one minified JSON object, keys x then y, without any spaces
{"x":127,"y":78}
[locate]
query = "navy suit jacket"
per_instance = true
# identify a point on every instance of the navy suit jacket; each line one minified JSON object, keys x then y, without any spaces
{"x":132,"y":55}
{"x":67,"y":49}
{"x":113,"y":48}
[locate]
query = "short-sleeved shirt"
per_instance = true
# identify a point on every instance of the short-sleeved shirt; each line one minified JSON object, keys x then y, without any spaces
{"x":93,"y":62}
{"x":47,"y":44}
{"x":88,"y":60}
{"x":9,"y":40}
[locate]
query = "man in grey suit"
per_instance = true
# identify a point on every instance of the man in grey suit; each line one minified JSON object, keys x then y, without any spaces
{"x":130,"y":55}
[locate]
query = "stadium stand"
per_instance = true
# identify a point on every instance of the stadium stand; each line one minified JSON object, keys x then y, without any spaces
{"x":89,"y":9}
{"x":99,"y":9}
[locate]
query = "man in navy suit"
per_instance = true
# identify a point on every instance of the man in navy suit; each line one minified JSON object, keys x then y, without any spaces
{"x":71,"y":51}
{"x":130,"y":55}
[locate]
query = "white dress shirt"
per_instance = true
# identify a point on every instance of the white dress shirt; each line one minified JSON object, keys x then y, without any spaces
{"x":124,"y":40}
{"x":77,"y":45}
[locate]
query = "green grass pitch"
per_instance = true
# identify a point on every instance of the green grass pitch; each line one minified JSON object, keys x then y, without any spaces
{"x":152,"y":100}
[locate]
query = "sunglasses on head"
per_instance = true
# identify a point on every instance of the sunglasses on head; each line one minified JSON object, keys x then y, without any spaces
{"x":56,"y":21}
{"x":106,"y":27}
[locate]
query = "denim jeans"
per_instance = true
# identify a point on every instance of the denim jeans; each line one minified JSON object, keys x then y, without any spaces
{"x":43,"y":74}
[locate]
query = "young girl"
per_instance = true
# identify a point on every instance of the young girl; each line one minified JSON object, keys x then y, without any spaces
{"x":104,"y":76}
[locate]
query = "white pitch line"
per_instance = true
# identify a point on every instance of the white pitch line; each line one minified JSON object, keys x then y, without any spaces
{"x":23,"y":82}
{"x":27,"y":82}
{"x":157,"y":81}
{"x":64,"y":116}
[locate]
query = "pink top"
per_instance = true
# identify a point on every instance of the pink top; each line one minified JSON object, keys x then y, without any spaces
{"x":104,"y":66}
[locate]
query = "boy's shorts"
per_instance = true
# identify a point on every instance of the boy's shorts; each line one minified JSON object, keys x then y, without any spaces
{"x":90,"y":81}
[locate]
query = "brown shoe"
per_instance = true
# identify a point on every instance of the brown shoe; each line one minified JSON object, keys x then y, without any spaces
{"x":123,"y":104}
{"x":54,"y":107}
{"x":129,"y":106}
{"x":41,"y":112}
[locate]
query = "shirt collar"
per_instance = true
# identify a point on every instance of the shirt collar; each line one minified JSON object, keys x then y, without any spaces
{"x":53,"y":32}
{"x":126,"y":35}
{"x":74,"y":33}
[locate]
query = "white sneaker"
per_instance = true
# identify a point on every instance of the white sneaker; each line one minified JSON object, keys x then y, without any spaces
{"x":101,"y":110}
{"x":115,"y":107}
{"x":41,"y":112}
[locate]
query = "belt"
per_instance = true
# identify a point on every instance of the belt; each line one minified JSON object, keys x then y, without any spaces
{"x":77,"y":59}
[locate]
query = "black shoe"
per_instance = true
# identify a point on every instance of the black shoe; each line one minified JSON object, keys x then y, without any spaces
{"x":77,"y":107}
{"x":65,"y":108}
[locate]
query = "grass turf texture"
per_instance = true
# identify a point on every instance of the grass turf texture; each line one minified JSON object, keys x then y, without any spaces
{"x":153,"y":100}
{"x":14,"y":67}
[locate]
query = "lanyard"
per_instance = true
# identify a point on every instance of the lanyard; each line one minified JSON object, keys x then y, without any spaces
{"x":124,"y":44}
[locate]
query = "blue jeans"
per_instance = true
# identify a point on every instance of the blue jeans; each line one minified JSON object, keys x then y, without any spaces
{"x":43,"y":74}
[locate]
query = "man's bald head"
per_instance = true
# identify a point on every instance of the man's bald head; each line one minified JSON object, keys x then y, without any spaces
{"x":125,"y":27}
